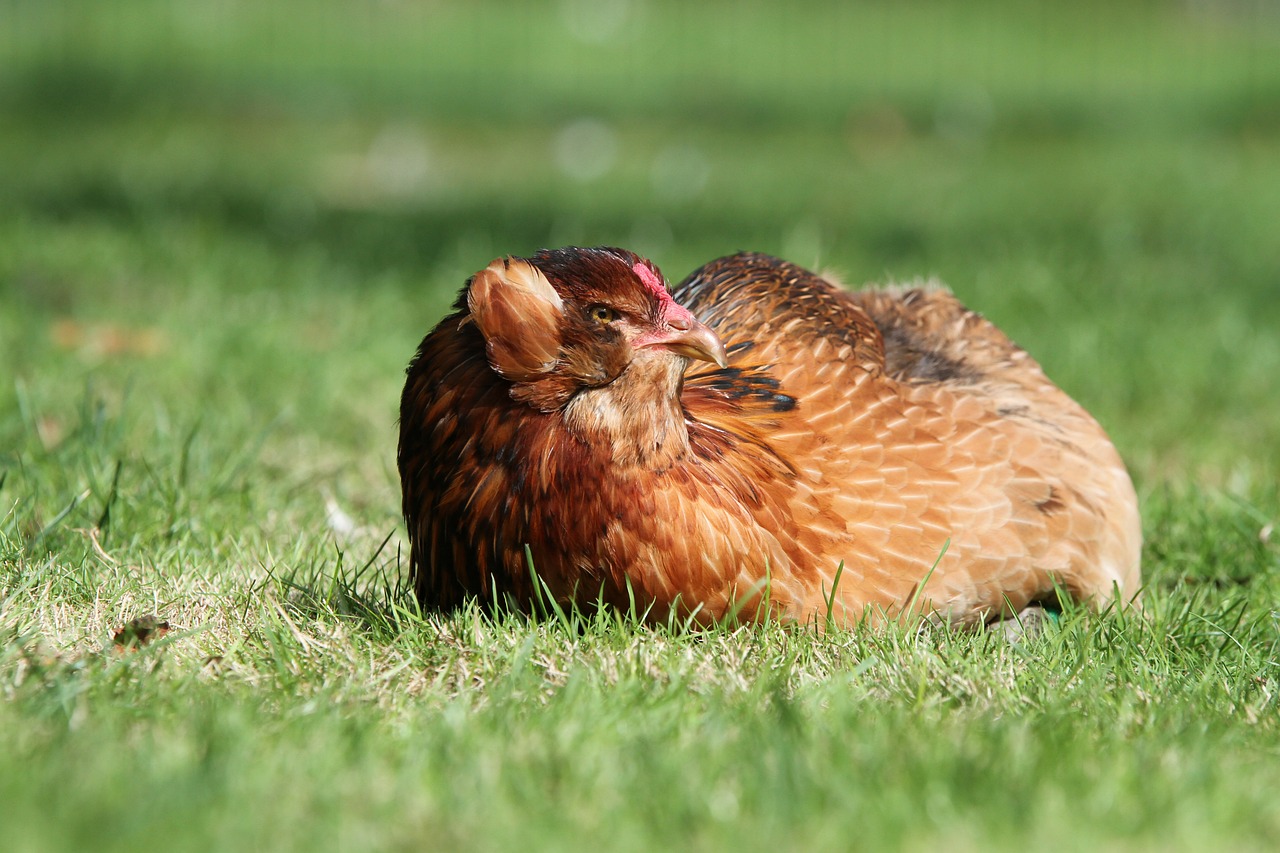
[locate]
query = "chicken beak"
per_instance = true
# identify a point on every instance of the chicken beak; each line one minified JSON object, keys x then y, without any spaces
{"x":692,"y":339}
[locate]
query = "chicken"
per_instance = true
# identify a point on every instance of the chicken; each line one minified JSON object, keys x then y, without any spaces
{"x":801,"y":451}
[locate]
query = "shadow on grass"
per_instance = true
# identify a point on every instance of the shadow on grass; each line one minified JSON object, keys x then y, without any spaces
{"x":418,"y":239}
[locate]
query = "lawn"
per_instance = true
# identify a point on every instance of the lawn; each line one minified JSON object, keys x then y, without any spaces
{"x":224,"y":227}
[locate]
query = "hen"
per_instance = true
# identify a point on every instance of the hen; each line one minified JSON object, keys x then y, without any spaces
{"x":832,"y":455}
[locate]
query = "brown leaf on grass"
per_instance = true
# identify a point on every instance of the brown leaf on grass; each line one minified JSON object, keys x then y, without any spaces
{"x":138,"y":632}
{"x":51,"y":431}
{"x":106,"y":339}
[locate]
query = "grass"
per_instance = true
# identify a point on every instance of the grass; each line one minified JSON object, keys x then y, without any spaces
{"x":223,"y":229}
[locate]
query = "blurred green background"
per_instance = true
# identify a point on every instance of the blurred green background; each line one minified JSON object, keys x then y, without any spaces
{"x":261,"y":207}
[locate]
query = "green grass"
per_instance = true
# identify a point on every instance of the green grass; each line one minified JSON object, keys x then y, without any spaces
{"x":224,"y":228}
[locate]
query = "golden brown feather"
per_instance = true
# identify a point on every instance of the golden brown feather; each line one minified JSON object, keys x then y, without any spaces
{"x":871,"y":431}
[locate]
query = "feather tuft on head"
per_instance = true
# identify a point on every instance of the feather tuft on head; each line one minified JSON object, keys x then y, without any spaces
{"x":519,"y":313}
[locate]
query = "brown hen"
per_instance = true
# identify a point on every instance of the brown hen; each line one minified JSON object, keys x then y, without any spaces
{"x":838,"y":455}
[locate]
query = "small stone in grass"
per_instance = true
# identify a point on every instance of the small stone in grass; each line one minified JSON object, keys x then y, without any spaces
{"x":1030,"y":623}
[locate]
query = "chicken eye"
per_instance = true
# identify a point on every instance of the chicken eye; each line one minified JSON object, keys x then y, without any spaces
{"x":602,"y":314}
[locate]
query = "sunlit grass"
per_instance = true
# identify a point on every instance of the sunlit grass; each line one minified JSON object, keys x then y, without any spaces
{"x":224,"y":229}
